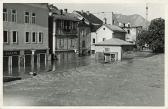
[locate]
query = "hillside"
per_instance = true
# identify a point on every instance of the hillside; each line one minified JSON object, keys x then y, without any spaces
{"x":134,"y":20}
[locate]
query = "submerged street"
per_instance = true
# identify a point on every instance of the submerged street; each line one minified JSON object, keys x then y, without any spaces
{"x":134,"y":82}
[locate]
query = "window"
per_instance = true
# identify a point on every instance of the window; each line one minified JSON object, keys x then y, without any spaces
{"x":5,"y":36}
{"x":82,"y":32}
{"x":104,"y":39}
{"x":13,"y":15}
{"x":33,"y":18}
{"x":14,"y":36}
{"x":83,"y":43}
{"x":34,"y":37}
{"x":40,"y":38}
{"x":128,"y":31}
{"x":5,"y":15}
{"x":26,"y":17}
{"x":107,"y":49}
{"x":27,"y":37}
{"x":93,"y":40}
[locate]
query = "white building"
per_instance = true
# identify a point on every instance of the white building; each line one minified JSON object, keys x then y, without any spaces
{"x":112,"y":49}
{"x":105,"y":32}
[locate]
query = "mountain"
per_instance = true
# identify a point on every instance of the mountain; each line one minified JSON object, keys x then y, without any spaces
{"x":134,"y":20}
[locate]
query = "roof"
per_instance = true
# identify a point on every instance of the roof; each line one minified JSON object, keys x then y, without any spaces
{"x":113,"y":41}
{"x":90,"y":17}
{"x":65,"y":16}
{"x":94,"y":21}
{"x":115,"y":28}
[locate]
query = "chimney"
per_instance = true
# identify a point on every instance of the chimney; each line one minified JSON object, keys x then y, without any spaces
{"x":124,"y":24}
{"x":61,"y":11}
{"x":66,"y":10}
{"x":105,"y":20}
{"x":87,"y":12}
{"x":82,"y":11}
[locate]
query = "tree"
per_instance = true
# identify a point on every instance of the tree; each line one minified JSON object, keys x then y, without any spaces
{"x":154,"y":36}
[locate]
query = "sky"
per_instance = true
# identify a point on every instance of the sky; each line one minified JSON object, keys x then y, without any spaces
{"x":155,"y":10}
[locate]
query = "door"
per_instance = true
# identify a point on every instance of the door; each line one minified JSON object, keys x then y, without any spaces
{"x":15,"y":65}
{"x":5,"y":66}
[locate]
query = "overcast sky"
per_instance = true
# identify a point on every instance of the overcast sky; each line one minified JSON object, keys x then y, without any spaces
{"x":155,"y":10}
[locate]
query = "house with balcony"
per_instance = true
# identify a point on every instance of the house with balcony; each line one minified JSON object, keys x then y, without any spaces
{"x":25,"y":37}
{"x":94,"y":23}
{"x":63,"y":33}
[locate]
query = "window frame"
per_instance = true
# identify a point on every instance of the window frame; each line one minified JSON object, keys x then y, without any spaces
{"x":42,"y":34}
{"x":35,"y":37}
{"x":93,"y":40}
{"x":28,"y":16}
{"x":33,"y":17}
{"x":16,"y":36}
{"x":15,"y":15}
{"x":6,"y":15}
{"x":104,"y":39}
{"x":7,"y":37}
{"x":29,"y":38}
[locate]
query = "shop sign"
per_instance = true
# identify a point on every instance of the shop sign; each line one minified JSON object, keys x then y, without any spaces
{"x":27,"y":52}
{"x":11,"y":53}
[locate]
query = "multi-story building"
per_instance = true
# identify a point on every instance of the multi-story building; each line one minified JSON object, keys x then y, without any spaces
{"x":94,"y":23}
{"x":84,"y":38}
{"x":132,"y":32}
{"x":25,"y":37}
{"x":63,"y":34}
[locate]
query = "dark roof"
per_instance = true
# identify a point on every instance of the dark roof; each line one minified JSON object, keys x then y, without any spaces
{"x":113,"y":41}
{"x":94,"y":21}
{"x":83,"y":24}
{"x":115,"y":28}
{"x":90,"y":17}
{"x":65,"y":16}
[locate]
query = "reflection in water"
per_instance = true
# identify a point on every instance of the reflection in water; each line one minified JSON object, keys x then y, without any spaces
{"x":67,"y":60}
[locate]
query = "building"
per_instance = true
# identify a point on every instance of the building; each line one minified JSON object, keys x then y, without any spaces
{"x":63,"y":33}
{"x":84,"y":38}
{"x":107,"y":31}
{"x":91,"y":20}
{"x":25,"y":37}
{"x":131,"y":32}
{"x":112,"y":49}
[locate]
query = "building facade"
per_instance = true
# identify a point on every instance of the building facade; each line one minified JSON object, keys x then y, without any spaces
{"x":25,"y":37}
{"x":105,"y":32}
{"x":112,"y":49}
{"x":94,"y":23}
{"x":63,"y":33}
{"x":132,"y":33}
{"x":84,"y":38}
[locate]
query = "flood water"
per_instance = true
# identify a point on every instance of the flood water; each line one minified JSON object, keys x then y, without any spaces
{"x":66,"y":61}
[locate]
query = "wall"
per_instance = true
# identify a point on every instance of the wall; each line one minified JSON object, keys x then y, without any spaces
{"x":112,"y":49}
{"x":132,"y":36}
{"x":119,"y":35}
{"x":40,"y":26}
{"x":86,"y":37}
{"x":101,"y":33}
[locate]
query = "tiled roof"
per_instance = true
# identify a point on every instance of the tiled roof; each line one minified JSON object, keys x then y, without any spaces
{"x":94,"y":21}
{"x":91,"y":18}
{"x":66,"y":16}
{"x":114,"y":28}
{"x":113,"y":41}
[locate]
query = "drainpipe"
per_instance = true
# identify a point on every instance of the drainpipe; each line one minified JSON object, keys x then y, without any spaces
{"x":54,"y":38}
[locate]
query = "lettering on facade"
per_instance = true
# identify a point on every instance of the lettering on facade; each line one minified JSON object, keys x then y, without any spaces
{"x":11,"y":53}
